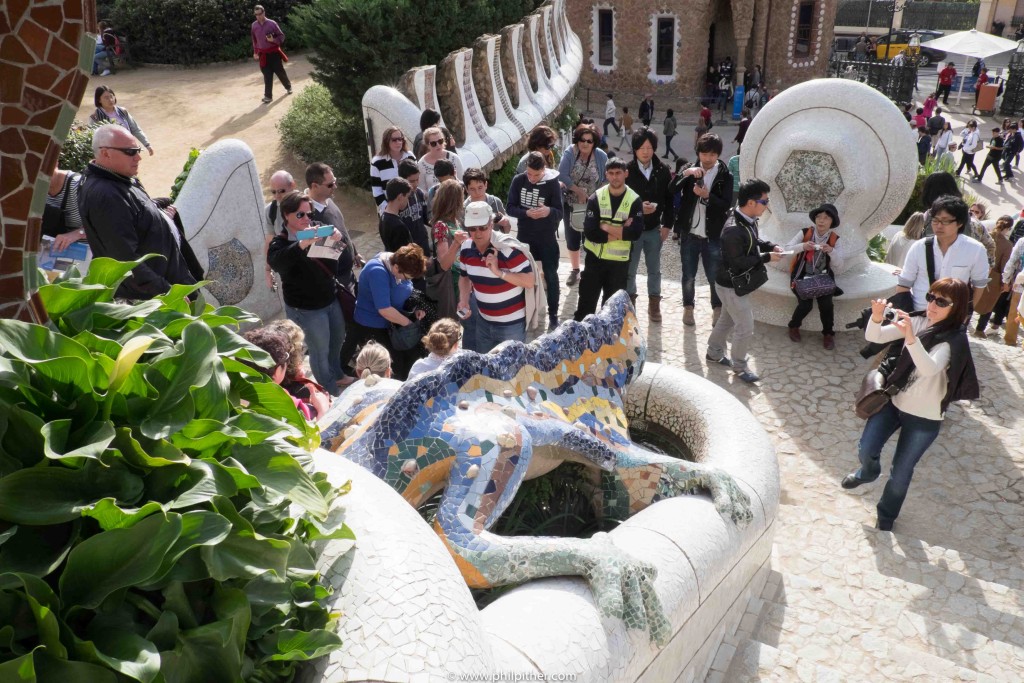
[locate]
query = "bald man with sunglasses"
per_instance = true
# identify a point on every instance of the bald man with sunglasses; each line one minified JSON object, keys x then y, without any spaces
{"x":122,"y":222}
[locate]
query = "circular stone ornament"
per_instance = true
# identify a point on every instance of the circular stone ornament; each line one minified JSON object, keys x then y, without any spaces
{"x":831,"y":140}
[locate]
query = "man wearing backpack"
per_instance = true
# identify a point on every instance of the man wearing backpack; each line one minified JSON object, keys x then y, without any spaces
{"x":281,"y":183}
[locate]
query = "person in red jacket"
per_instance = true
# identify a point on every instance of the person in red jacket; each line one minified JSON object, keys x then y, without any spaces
{"x":946,"y":77}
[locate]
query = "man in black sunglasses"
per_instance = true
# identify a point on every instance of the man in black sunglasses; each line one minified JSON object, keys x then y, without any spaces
{"x":122,"y":222}
{"x":320,"y":183}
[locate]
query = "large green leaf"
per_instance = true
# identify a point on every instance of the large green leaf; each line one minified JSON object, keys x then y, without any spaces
{"x":44,"y":606}
{"x":113,"y":646}
{"x":191,"y":364}
{"x":246,"y":556}
{"x":198,"y":528}
{"x":58,"y":299}
{"x":289,"y":645}
{"x":147,"y":453}
{"x":55,"y":356}
{"x":38,"y":550}
{"x":280,"y":473}
{"x":116,"y":559}
{"x":204,"y":437}
{"x":55,"y":494}
{"x":111,"y":516}
{"x":89,"y":443}
{"x":19,"y":670}
{"x":52,"y":670}
{"x":202,"y":655}
{"x":21,"y":436}
{"x":109,"y":272}
{"x":179,"y":486}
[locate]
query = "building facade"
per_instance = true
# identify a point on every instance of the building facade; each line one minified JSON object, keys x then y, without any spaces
{"x":665,"y":46}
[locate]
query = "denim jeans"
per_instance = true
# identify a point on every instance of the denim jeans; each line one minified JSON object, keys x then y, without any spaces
{"x":101,"y":54}
{"x":325,"y":333}
{"x":469,"y":340}
{"x":546,"y":252}
{"x":649,"y":243}
{"x":489,"y":335}
{"x":692,"y":248}
{"x":916,"y":435}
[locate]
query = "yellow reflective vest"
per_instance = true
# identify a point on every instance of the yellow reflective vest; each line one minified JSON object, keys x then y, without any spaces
{"x":613,"y":250}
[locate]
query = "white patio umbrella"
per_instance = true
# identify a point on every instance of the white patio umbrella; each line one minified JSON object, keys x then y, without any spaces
{"x":971,"y":44}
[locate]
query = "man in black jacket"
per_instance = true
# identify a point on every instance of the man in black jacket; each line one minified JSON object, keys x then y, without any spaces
{"x":742,"y":250}
{"x":650,"y":178}
{"x":122,"y":221}
{"x":706,"y":190}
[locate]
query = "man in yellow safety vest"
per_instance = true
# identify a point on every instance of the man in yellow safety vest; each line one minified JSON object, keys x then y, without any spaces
{"x":614,"y":219}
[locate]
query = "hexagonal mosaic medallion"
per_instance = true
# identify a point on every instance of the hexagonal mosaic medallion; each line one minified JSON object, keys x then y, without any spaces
{"x":808,"y":179}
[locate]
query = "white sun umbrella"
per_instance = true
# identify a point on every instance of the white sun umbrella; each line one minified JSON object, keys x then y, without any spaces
{"x":969,"y":44}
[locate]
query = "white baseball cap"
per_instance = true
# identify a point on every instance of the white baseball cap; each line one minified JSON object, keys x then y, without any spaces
{"x":477,"y":213}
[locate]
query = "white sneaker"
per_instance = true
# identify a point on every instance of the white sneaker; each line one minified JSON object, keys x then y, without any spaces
{"x":106,"y":72}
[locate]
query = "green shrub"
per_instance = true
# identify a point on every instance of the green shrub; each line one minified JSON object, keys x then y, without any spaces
{"x":877,"y":248}
{"x":359,"y":44}
{"x":499,"y":181}
{"x":314,"y":130}
{"x":76,"y":152}
{"x":179,"y":182}
{"x":196,"y":31}
{"x":155,"y":519}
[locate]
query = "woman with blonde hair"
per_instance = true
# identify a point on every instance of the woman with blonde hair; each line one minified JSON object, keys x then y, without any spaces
{"x":373,"y":359}
{"x":434,"y":142}
{"x":912,"y":231}
{"x":383,"y":167}
{"x":441,"y":341}
{"x":990,"y":297}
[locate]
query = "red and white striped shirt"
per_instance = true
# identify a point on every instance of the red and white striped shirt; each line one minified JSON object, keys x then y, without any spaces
{"x":500,"y":302}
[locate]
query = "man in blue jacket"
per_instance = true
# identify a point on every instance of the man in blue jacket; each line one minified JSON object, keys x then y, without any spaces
{"x":535,"y":200}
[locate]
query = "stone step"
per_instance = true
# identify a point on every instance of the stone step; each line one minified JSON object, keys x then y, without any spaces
{"x":757,"y":662}
{"x":811,"y":541}
{"x":875,"y":630}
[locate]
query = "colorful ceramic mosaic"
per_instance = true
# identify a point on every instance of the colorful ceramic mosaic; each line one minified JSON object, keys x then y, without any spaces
{"x":481,"y":424}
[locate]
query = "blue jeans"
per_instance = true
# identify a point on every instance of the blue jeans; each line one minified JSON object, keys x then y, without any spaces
{"x":692,"y":248}
{"x":546,"y":252}
{"x":489,"y":335}
{"x":325,"y":333}
{"x":101,"y":53}
{"x":650,"y":244}
{"x":916,"y":435}
{"x":469,"y":339}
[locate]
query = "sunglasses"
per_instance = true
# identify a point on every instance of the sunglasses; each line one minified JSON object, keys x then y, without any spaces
{"x":762,"y":202}
{"x":303,"y":214}
{"x":279,"y":192}
{"x":397,"y":139}
{"x":330,"y":185}
{"x":436,"y":143}
{"x":937,"y":300}
{"x":477,"y":228}
{"x":588,"y":141}
{"x":127,"y":151}
{"x":939,"y":221}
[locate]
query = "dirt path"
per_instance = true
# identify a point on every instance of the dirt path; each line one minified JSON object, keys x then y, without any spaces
{"x":183,"y":108}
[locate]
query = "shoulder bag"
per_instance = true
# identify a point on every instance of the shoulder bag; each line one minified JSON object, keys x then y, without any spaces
{"x":404,"y":337}
{"x":812,"y":286}
{"x":752,"y":278}
{"x":873,"y":394}
{"x":440,"y":286}
{"x":346,"y":297}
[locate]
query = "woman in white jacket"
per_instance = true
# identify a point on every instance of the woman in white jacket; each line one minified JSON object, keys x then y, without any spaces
{"x":970,"y":142}
{"x":931,"y":368}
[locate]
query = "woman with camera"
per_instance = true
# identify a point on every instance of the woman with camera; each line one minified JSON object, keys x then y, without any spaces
{"x":930,"y":366}
{"x":811,"y":275}
{"x":581,"y":171}
{"x":308,"y":287}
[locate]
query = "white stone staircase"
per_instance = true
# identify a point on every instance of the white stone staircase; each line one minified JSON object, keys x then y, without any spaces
{"x":846,"y":603}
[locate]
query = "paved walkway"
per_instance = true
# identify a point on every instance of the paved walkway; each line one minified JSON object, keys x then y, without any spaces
{"x":941,"y":599}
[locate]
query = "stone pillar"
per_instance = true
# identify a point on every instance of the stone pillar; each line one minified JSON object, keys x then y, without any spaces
{"x":985,"y":15}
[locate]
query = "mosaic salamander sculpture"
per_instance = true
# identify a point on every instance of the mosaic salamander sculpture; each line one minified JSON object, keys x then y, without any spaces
{"x":481,"y":424}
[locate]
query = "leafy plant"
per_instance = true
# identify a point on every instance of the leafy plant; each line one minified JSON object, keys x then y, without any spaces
{"x":155,"y":519}
{"x":179,"y":182}
{"x":568,"y":117}
{"x":877,"y":248}
{"x":915,"y":202}
{"x":499,"y":181}
{"x":314,"y":130}
{"x":76,"y":152}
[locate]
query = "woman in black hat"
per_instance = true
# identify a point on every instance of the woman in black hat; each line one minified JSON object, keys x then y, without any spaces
{"x":811,"y":275}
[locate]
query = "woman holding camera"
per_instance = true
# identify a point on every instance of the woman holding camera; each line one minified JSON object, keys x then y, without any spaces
{"x":581,"y":171}
{"x":930,"y":368}
{"x":308,"y":288}
{"x":816,"y":256}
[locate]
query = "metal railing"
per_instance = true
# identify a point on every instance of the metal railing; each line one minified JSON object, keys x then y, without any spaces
{"x":895,"y":82}
{"x":939,"y":16}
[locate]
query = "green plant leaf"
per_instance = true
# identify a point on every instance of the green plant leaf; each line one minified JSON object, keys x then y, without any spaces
{"x":198,"y":528}
{"x":203,"y":437}
{"x":110,"y":516}
{"x":280,"y":473}
{"x":89,"y":444}
{"x":113,"y":646}
{"x":38,"y":550}
{"x":19,"y":670}
{"x":55,"y":494}
{"x":246,"y":556}
{"x":54,"y":356}
{"x":116,"y":559}
{"x":290,"y":645}
{"x":59,"y":299}
{"x":52,"y":670}
{"x":110,"y":272}
{"x":43,"y":605}
{"x":173,"y":374}
{"x":147,"y":453}
{"x":203,"y":654}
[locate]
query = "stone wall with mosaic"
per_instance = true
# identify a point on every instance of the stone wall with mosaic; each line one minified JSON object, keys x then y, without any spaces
{"x":45,"y":55}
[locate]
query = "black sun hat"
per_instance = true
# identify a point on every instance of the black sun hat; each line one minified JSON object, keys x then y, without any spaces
{"x":830,"y":210}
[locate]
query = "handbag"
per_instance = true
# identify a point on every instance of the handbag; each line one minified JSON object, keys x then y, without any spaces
{"x":812,"y":286}
{"x":345,"y":296}
{"x":750,"y":279}
{"x":440,"y":286}
{"x":404,"y":337}
{"x":873,"y":394}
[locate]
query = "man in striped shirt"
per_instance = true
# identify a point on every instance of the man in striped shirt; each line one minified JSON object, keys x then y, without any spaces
{"x":497,"y":276}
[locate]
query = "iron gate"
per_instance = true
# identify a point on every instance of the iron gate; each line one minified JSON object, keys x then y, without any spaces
{"x":895,"y":82}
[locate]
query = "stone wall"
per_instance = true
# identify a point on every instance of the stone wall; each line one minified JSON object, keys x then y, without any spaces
{"x":45,"y":53}
{"x":742,"y":28}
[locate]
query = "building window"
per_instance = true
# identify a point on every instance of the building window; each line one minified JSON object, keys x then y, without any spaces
{"x":666,"y":37}
{"x":804,"y":30}
{"x":605,"y":37}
